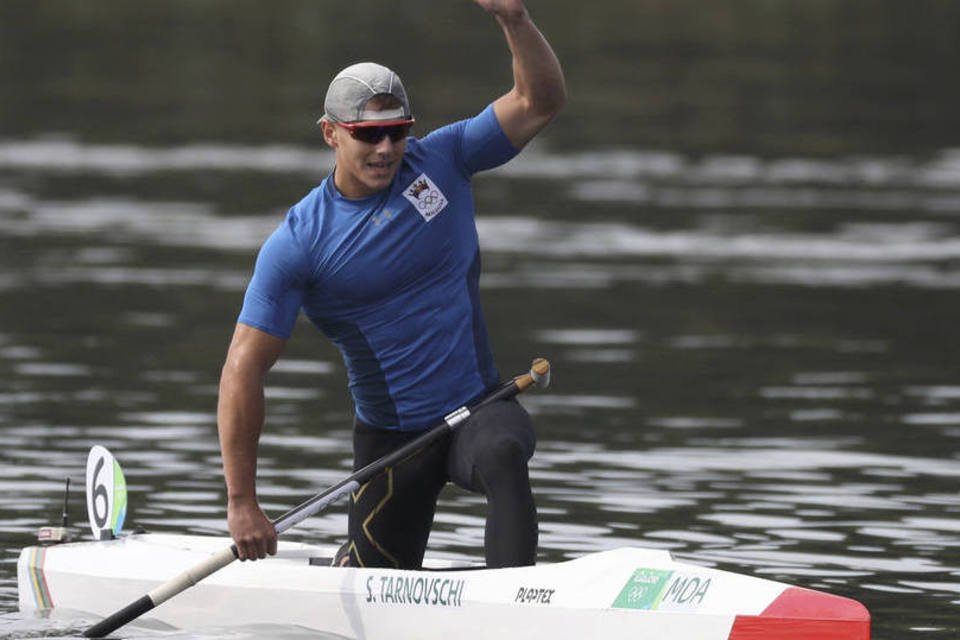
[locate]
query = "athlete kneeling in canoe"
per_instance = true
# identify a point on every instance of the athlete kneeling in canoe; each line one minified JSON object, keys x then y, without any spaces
{"x":383,"y":258}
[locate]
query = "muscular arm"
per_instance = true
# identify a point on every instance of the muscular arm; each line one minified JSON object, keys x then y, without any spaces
{"x":539,"y":90}
{"x":240,"y":417}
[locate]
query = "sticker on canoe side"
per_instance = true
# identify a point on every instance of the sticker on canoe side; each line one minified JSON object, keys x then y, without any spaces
{"x":534,"y":595}
{"x":686,"y":591}
{"x":643,"y":589}
{"x":38,"y":581}
{"x":417,"y":590}
{"x":663,"y":590}
{"x":106,"y":493}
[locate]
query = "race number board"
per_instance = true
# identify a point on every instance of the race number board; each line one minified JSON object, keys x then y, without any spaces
{"x":106,"y":494}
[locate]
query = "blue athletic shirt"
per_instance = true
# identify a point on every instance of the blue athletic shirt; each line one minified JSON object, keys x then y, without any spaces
{"x":393,"y":279}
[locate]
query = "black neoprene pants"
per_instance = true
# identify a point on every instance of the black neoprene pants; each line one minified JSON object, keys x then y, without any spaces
{"x":391,"y":515}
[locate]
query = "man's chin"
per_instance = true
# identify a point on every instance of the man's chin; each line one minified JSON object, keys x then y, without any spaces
{"x":379,"y":180}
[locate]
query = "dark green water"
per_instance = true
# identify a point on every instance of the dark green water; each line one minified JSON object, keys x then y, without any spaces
{"x":739,"y":247}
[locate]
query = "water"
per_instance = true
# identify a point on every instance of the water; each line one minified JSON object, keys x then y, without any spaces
{"x":742,"y":264}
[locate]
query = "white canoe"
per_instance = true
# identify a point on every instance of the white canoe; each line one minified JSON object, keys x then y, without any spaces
{"x":623,"y":593}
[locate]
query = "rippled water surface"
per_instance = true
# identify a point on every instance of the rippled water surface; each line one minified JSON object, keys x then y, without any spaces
{"x":753,"y":331}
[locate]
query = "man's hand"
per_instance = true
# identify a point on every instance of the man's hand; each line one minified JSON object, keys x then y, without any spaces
{"x":505,"y":9}
{"x":251,"y":530}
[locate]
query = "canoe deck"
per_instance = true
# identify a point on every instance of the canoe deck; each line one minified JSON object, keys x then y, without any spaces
{"x":622,"y":593}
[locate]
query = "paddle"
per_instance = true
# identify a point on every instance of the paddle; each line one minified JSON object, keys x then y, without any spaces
{"x":539,"y":374}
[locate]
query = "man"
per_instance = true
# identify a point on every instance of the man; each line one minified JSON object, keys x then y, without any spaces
{"x":383,"y":258}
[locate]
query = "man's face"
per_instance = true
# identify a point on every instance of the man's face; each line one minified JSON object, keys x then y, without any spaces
{"x":363,"y":168}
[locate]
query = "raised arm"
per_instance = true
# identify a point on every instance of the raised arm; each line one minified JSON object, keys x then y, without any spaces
{"x":240,"y":416}
{"x":539,"y":90}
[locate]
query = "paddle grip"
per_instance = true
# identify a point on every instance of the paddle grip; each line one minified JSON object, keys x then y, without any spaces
{"x":539,"y":375}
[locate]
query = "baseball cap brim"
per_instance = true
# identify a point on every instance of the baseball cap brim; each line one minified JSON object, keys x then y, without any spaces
{"x":384,"y":118}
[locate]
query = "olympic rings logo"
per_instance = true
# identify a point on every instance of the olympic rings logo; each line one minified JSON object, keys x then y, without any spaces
{"x":429,"y":199}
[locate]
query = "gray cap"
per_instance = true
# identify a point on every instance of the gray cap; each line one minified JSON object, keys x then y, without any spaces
{"x":353,"y":87}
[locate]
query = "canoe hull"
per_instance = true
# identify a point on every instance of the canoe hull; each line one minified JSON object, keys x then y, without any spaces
{"x":622,"y":593}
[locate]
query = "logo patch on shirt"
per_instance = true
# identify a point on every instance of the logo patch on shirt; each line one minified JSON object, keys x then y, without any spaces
{"x":426,"y":197}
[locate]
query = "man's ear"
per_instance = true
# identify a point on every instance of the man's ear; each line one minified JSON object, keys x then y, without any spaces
{"x":329,"y":133}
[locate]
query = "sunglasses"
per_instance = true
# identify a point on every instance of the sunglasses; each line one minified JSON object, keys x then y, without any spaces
{"x":373,"y":134}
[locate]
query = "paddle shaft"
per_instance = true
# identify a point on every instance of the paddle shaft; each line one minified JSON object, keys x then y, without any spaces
{"x":539,"y":372}
{"x":450,"y":422}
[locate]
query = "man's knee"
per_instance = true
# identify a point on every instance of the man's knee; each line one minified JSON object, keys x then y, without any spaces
{"x":503,"y":454}
{"x":501,"y":464}
{"x":494,"y":446}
